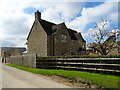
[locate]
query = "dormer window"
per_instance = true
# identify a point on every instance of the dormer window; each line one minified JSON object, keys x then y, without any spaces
{"x":63,"y":38}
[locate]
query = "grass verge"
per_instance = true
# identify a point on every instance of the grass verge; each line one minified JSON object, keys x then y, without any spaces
{"x":107,"y":81}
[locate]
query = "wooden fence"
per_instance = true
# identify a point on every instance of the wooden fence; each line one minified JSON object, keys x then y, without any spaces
{"x":96,"y":65}
{"x":24,"y":60}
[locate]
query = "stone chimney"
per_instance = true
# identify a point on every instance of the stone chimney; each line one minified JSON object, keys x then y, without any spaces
{"x":37,"y":15}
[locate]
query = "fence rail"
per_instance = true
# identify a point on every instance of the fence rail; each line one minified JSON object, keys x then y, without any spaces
{"x":98,"y":65}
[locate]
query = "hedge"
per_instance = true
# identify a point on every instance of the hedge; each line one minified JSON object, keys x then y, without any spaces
{"x":83,"y":56}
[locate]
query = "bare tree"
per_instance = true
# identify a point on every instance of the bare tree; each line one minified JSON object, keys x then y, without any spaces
{"x":104,"y":40}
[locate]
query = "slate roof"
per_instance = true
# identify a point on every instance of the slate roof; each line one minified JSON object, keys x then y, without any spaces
{"x":72,"y":34}
{"x":113,"y":37}
{"x":82,"y":37}
{"x":48,"y":27}
{"x":19,"y":49}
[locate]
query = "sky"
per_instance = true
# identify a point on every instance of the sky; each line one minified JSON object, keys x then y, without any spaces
{"x":17,"y":17}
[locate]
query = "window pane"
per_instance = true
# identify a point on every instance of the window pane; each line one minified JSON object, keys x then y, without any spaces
{"x":63,"y":38}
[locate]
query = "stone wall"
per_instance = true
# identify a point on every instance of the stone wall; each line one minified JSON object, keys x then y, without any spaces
{"x":37,"y":41}
{"x":62,"y":47}
{"x":50,"y":46}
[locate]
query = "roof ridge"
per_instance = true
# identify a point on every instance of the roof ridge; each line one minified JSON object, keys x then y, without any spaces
{"x":72,"y":30}
{"x":48,"y":21}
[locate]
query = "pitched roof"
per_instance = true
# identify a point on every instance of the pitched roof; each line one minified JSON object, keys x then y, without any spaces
{"x":72,"y":34}
{"x":48,"y":27}
{"x":30,"y":31}
{"x":111,"y":38}
{"x":19,"y":49}
{"x":82,"y":37}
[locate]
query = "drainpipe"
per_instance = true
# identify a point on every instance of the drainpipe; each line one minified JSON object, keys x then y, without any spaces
{"x":53,"y":45}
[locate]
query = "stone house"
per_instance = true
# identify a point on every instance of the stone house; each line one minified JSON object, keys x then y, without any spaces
{"x":115,"y":48}
{"x":6,"y":52}
{"x":118,"y":39}
{"x":49,"y":39}
{"x":111,"y":44}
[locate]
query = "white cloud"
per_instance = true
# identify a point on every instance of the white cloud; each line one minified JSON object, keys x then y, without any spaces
{"x":61,"y":12}
{"x":52,"y":16}
{"x":107,"y":10}
{"x":15,"y":24}
{"x":68,"y":10}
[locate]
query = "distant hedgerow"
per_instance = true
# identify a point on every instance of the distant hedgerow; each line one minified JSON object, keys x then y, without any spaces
{"x":82,"y":56}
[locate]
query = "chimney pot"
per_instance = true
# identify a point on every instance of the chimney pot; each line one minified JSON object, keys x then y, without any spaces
{"x":37,"y":15}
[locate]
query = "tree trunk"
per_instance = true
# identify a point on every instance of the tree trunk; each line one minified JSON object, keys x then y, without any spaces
{"x":103,"y":50}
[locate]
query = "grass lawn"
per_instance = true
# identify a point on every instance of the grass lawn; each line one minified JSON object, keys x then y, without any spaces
{"x":107,"y":81}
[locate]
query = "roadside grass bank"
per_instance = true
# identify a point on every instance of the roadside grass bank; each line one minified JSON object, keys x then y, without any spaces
{"x":107,"y":81}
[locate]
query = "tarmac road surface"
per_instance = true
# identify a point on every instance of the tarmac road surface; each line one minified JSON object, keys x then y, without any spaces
{"x":15,"y":78}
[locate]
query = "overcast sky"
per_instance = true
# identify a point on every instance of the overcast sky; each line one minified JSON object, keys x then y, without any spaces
{"x":17,"y":17}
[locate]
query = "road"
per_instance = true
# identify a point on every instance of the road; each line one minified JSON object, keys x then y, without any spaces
{"x":15,"y":78}
{"x":0,"y":75}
